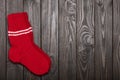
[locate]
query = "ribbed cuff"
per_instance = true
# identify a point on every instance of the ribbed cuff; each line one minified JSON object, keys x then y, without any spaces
{"x":18,"y":21}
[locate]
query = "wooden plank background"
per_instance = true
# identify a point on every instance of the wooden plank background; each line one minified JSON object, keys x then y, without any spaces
{"x":82,"y":38}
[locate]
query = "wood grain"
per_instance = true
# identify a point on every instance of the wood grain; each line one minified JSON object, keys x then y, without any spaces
{"x":14,"y":71}
{"x":85,"y":40}
{"x":116,"y":39}
{"x":3,"y":43}
{"x":81,"y":37}
{"x":103,"y":40}
{"x":50,"y":35}
{"x":67,"y":39}
{"x":33,"y":7}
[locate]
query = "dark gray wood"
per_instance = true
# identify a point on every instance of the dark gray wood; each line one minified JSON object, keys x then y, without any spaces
{"x":80,"y":36}
{"x":103,"y":40}
{"x":14,"y":71}
{"x":32,"y":7}
{"x":116,"y":39}
{"x":50,"y":35}
{"x":3,"y":34}
{"x":85,"y":39}
{"x":67,"y":39}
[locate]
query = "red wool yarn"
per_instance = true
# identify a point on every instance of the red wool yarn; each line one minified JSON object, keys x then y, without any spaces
{"x":23,"y":50}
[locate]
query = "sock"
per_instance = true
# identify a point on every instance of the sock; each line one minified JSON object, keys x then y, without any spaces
{"x":23,"y":49}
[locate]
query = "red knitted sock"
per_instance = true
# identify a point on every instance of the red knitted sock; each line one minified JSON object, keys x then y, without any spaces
{"x":23,"y":49}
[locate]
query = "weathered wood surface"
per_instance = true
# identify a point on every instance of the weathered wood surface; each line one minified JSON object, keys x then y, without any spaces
{"x":3,"y":43}
{"x":80,"y":36}
{"x":85,"y":40}
{"x":103,"y":40}
{"x":49,"y":24}
{"x":116,"y":39}
{"x":67,"y":39}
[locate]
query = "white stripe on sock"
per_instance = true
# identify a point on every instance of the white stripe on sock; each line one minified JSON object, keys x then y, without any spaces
{"x":20,"y":31}
{"x":18,"y":34}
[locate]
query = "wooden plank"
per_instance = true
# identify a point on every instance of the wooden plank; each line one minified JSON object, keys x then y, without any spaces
{"x":67,"y":39}
{"x":116,"y":39}
{"x":14,"y":71}
{"x":32,"y":7}
{"x":50,"y":35}
{"x":3,"y":42}
{"x":85,"y":39}
{"x":103,"y":39}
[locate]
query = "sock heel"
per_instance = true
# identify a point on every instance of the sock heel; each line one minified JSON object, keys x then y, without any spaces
{"x":14,"y":55}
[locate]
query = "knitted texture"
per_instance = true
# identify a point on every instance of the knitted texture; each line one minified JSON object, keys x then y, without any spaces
{"x":23,"y":50}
